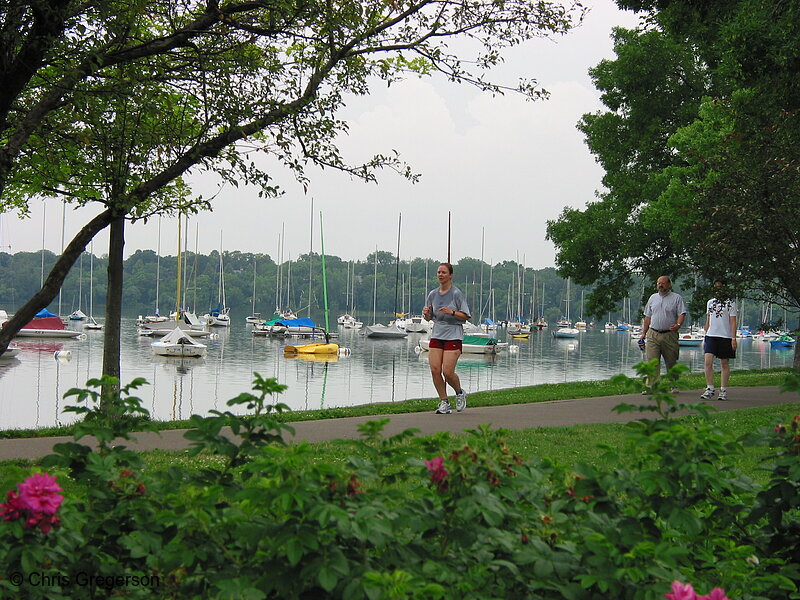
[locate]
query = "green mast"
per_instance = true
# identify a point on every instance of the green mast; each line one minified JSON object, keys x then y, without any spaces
{"x":324,"y":280}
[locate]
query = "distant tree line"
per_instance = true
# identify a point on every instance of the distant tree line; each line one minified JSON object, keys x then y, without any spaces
{"x":492,"y":290}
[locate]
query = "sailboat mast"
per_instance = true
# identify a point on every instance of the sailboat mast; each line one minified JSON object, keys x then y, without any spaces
{"x":448,"y":236}
{"x":185,"y":262}
{"x":311,"y":257}
{"x":375,"y":288}
{"x":397,"y":261}
{"x":196,"y":248}
{"x":63,"y":225}
{"x":44,"y":228}
{"x":480,"y":293}
{"x":222,"y":299}
{"x":91,"y":280}
{"x":158,"y":262}
{"x":254,"y":286}
{"x":324,"y":279}
{"x":178,"y":278}
{"x":80,"y":283}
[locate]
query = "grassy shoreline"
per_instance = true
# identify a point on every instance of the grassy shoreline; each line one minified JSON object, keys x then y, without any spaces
{"x":521,"y":395}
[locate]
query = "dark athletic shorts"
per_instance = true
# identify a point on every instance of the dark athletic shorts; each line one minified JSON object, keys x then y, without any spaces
{"x":445,"y":344}
{"x":719,"y":347}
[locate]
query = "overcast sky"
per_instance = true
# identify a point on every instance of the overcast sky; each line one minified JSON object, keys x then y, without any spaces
{"x":500,"y":165}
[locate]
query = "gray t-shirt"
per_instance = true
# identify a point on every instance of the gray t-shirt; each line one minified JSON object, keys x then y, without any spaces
{"x":447,"y":327}
{"x":664,"y":310}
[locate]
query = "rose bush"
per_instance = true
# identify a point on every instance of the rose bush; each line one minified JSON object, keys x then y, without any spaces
{"x":272,"y":520}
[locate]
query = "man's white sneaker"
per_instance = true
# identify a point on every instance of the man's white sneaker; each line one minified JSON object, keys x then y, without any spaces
{"x":723,"y":396}
{"x":707,"y":395}
{"x":461,"y":401}
{"x":444,"y":408}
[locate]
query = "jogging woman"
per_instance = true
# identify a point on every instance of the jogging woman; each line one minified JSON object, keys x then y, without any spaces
{"x":448,"y":309}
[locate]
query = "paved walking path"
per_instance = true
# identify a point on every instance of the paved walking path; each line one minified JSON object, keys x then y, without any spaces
{"x":515,"y":416}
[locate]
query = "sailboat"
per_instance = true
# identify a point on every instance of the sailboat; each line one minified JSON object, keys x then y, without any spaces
{"x":178,"y":343}
{"x":379,"y":330}
{"x":580,"y":323}
{"x":92,"y":324}
{"x":564,"y":326}
{"x":347,"y":320}
{"x":327,"y":347}
{"x":156,"y":316}
{"x":183,"y":320}
{"x":79,"y":315}
{"x":254,"y":318}
{"x":219,"y":316}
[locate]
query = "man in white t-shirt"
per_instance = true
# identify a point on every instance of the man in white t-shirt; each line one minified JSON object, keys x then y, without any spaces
{"x":664,"y":315}
{"x":720,"y":340}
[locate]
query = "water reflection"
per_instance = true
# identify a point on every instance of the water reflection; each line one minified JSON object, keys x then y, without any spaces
{"x":32,"y":385}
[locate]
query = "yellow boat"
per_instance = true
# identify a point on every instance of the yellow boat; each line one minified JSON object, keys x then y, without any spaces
{"x":313,"y":357}
{"x":312,"y":349}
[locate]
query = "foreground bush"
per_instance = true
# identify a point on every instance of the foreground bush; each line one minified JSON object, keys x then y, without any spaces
{"x":475,"y":521}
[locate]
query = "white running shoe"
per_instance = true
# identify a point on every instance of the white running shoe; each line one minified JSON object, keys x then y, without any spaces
{"x":723,"y":395}
{"x":707,"y":395}
{"x":444,"y":408}
{"x":461,"y":401}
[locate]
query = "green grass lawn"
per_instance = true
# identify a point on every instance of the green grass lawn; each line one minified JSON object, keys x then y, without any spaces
{"x":563,"y":445}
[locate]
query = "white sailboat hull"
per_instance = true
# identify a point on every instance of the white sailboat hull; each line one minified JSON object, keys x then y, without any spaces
{"x":51,"y":333}
{"x":383,"y":331}
{"x":424,"y":345}
{"x":566,"y":332}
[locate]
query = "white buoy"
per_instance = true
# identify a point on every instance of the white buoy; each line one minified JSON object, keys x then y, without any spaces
{"x":417,"y":349}
{"x":62,"y":355}
{"x":344,"y":352}
{"x":513,"y":349}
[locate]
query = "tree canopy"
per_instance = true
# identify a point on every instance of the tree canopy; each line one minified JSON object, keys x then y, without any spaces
{"x":246,"y":79}
{"x":700,"y":150}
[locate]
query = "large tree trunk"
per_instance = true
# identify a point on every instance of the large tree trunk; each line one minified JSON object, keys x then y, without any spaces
{"x":55,"y":278}
{"x":111,"y":340}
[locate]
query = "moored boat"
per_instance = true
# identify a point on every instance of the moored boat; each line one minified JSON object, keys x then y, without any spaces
{"x":46,"y":324}
{"x":178,"y":343}
{"x":379,"y":330}
{"x":693,"y":338}
{"x":566,"y":332}
{"x":783,"y":341}
{"x":473,"y":345}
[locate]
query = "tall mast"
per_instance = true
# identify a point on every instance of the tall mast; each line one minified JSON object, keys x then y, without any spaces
{"x":63,"y":225}
{"x":324,"y":280}
{"x":185,"y":261}
{"x":196,"y":248}
{"x":375,"y":288}
{"x":311,"y":256}
{"x":480,"y":293}
{"x":397,"y":261}
{"x":178,"y":278}
{"x":158,"y":262}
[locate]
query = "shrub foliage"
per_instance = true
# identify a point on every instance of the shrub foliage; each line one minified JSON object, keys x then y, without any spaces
{"x":273,"y":520}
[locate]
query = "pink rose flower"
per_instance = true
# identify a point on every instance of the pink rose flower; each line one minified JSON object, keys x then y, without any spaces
{"x":12,"y":509}
{"x":39,"y":493}
{"x":36,"y":501}
{"x":437,"y":470}
{"x":715,"y":594}
{"x":681,"y":591}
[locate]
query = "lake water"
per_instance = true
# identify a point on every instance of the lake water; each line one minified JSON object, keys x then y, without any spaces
{"x":32,"y":385}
